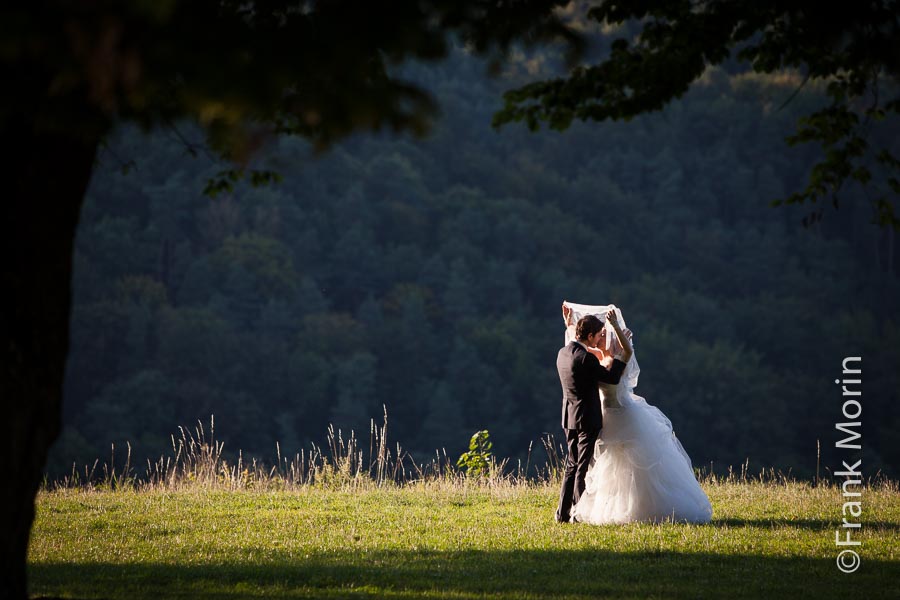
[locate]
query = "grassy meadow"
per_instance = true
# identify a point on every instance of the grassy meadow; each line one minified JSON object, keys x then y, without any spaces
{"x":449,"y":538}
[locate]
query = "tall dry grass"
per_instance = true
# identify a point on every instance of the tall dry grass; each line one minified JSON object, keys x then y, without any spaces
{"x":197,"y":461}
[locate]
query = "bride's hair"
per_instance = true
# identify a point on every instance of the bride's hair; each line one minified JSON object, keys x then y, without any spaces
{"x":587,"y":326}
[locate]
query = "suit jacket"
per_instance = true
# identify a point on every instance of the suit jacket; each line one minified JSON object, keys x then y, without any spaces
{"x":580,"y":373}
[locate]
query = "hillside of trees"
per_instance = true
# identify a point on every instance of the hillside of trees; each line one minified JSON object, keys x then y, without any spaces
{"x":427,"y":276}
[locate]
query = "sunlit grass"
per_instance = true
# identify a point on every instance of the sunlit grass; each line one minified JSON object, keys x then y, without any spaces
{"x":450,"y":539}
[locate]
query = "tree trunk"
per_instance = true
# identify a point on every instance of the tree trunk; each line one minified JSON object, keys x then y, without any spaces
{"x":46,"y":175}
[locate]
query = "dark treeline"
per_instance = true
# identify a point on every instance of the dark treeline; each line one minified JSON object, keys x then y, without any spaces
{"x":427,"y":276}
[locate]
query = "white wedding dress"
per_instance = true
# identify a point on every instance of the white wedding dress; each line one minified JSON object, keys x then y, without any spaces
{"x":640,"y":471}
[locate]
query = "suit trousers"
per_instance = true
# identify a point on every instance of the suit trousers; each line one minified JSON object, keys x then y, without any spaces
{"x":580,"y":443}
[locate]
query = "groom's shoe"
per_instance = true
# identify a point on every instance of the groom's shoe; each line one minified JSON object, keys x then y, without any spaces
{"x":559,"y":519}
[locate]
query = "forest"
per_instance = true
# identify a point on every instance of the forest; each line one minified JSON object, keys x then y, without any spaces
{"x":425,"y":276}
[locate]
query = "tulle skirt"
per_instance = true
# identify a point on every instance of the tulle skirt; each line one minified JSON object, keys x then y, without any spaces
{"x":640,"y":472}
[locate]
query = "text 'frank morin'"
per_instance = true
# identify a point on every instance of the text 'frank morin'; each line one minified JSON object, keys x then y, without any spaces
{"x":851,"y":385}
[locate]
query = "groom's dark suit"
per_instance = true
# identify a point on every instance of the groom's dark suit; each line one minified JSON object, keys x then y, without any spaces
{"x":579,"y":373}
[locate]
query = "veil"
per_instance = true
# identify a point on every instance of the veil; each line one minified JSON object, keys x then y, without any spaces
{"x":629,"y":378}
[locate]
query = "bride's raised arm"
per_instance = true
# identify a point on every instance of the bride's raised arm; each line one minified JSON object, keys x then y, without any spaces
{"x":627,"y":349}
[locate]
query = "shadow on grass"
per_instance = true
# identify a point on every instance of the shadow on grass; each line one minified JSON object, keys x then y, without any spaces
{"x":811,"y":524}
{"x":464,"y":574}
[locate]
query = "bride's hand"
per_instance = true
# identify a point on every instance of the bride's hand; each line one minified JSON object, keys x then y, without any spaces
{"x":612,"y":318}
{"x":567,"y":314}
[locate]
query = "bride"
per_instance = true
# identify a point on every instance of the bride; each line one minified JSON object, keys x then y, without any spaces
{"x":640,"y":470}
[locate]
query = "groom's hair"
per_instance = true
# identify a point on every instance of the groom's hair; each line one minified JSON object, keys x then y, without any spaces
{"x":587,"y":326}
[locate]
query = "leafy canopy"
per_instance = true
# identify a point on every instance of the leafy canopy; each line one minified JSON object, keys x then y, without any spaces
{"x":849,"y":47}
{"x":245,"y":70}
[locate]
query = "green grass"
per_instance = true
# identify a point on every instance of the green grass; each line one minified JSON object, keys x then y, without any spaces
{"x":455,"y":541}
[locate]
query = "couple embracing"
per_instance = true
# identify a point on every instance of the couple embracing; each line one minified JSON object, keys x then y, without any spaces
{"x":624,"y":462}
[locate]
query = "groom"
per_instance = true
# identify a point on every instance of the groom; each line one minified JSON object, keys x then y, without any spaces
{"x":579,"y":374}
